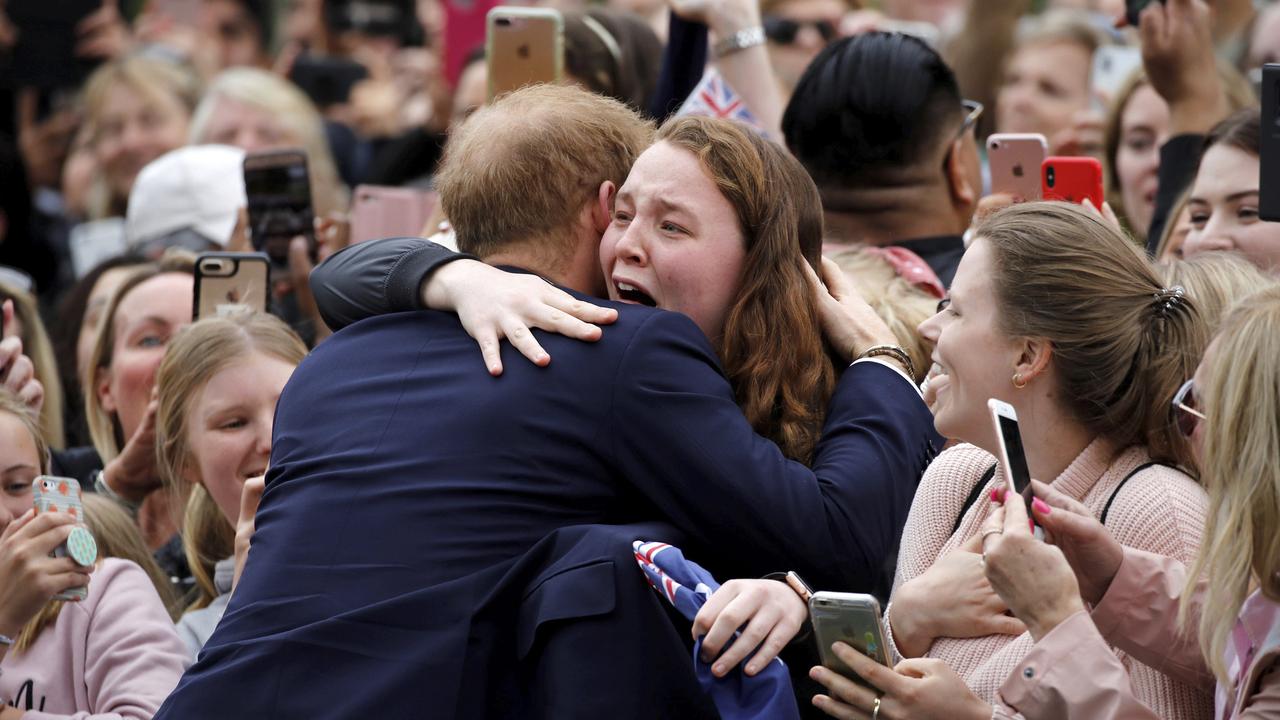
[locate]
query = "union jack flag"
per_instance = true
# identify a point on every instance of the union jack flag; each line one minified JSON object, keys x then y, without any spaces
{"x":687,"y":585}
{"x":713,"y":97}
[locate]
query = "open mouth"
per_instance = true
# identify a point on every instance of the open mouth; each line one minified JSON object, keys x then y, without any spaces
{"x":632,"y":294}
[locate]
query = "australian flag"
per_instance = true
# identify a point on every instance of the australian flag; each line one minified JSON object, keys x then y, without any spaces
{"x":714,"y":98}
{"x":686,"y":585}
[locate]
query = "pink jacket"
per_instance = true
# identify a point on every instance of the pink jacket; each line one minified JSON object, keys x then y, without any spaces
{"x":1159,"y":510}
{"x":1072,"y":673}
{"x":113,"y":655}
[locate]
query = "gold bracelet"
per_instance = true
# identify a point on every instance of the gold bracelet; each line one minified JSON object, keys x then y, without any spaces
{"x":893,"y":351}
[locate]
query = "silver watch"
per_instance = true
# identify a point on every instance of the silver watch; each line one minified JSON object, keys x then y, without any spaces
{"x":741,"y":40}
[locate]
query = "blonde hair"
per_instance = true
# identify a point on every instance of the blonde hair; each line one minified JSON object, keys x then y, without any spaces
{"x":11,"y":405}
{"x":1171,"y":226}
{"x":1241,"y":399}
{"x":901,"y":305}
{"x":104,"y":428}
{"x":562,"y":140}
{"x":198,"y":353}
{"x":1061,"y":25}
{"x":36,"y":345}
{"x":1239,"y":95}
{"x":1216,"y":281}
{"x":1120,"y":352}
{"x":117,"y":536}
{"x":153,"y":79}
{"x":295,"y":112}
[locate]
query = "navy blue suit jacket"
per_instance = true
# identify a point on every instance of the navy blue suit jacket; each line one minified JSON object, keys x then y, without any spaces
{"x":407,"y":486}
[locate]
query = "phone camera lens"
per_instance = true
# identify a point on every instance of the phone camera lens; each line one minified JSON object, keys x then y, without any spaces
{"x":1048,"y":176}
{"x":502,"y":22}
{"x":995,"y":146}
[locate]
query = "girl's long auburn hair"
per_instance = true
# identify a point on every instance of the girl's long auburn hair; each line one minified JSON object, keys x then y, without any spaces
{"x":771,"y":348}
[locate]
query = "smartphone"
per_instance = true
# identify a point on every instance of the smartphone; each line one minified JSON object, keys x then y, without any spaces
{"x":229,"y":282}
{"x":1072,"y":179}
{"x":852,"y":618}
{"x":1015,"y":160}
{"x":383,"y":212}
{"x":1013,"y":457}
{"x":1269,"y":179}
{"x":1112,"y":66}
{"x":62,"y":494}
{"x":1134,"y":8}
{"x":278,"y":189}
{"x":326,"y":80}
{"x":45,"y":53}
{"x":523,"y":46}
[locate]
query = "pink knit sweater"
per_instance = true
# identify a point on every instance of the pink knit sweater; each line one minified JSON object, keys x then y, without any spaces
{"x":1159,"y":510}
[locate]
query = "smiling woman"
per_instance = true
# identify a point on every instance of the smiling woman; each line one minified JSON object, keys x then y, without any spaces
{"x":218,"y":385}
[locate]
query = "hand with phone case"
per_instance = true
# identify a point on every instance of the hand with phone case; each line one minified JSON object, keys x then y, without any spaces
{"x":29,"y":576}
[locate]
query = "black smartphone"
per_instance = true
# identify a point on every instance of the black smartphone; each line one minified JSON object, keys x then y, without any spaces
{"x":1134,"y":8}
{"x":45,"y":53}
{"x":1269,"y":176}
{"x":327,"y":80}
{"x":278,"y":189}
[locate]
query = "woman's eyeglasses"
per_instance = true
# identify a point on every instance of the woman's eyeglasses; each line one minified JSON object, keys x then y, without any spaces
{"x":1185,"y":413}
{"x":783,"y":31}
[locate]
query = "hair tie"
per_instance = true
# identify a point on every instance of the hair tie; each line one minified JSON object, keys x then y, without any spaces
{"x":1166,"y":299}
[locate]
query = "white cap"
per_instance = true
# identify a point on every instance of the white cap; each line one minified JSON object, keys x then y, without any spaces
{"x":197,"y":189}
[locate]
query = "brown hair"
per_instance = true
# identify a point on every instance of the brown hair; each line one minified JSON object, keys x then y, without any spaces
{"x":523,"y":168}
{"x":772,"y":347}
{"x":104,"y":429}
{"x":1120,"y":351}
{"x":1242,"y":130}
{"x":1239,"y":95}
{"x":198,"y":353}
{"x":36,"y":345}
{"x":612,"y":53}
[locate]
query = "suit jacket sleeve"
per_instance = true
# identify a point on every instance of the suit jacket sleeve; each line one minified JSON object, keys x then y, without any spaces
{"x":677,"y":433}
{"x":375,"y":278}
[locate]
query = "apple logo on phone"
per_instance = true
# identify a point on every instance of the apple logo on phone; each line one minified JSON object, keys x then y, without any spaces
{"x":1017,"y":170}
{"x":523,"y":52}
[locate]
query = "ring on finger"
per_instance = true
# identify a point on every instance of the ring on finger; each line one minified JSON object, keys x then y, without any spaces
{"x":991,"y":531}
{"x":875,"y":709}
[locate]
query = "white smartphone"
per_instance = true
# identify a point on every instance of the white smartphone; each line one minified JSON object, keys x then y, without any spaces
{"x":1013,"y":457}
{"x":852,"y":618}
{"x":1112,"y":66}
{"x":1015,"y":160}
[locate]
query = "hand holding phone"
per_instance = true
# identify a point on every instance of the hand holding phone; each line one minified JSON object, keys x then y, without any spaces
{"x":851,"y":618}
{"x":1013,"y":457}
{"x":60,"y":494}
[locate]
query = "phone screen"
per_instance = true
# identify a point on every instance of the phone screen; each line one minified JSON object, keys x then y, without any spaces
{"x":279,"y":197}
{"x":1018,"y":473}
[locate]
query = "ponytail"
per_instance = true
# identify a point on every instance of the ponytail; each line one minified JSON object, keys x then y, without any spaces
{"x":1122,"y":342}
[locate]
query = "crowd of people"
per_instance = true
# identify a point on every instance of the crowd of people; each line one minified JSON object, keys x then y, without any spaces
{"x":710,"y":324}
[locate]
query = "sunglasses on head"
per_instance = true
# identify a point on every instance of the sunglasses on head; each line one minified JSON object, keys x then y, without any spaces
{"x":1185,"y":413}
{"x":784,"y":31}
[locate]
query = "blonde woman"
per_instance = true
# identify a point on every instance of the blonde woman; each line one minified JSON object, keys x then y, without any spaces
{"x":1153,"y":606}
{"x":115,"y":653}
{"x":900,"y":303}
{"x":1216,"y":281}
{"x":36,"y":345}
{"x":218,"y":385}
{"x":258,"y":110}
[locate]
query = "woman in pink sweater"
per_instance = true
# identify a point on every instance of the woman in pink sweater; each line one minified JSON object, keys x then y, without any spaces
{"x":114,"y":654}
{"x":1053,"y":311}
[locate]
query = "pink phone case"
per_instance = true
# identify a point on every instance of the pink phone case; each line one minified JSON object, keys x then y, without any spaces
{"x":383,"y":212}
{"x":60,"y":494}
{"x":1015,"y":160}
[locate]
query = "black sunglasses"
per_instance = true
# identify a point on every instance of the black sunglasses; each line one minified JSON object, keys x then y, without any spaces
{"x":784,"y":31}
{"x":1185,"y":413}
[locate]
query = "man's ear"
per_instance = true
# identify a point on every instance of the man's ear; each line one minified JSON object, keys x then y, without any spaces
{"x":602,"y":208}
{"x":963,"y":193}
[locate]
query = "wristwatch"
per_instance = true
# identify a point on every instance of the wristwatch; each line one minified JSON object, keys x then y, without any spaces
{"x":741,"y":40}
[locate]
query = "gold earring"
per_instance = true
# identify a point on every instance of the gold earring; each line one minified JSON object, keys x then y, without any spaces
{"x":1018,"y":382}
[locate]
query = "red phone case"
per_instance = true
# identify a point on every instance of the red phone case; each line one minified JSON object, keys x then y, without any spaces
{"x":1072,"y":179}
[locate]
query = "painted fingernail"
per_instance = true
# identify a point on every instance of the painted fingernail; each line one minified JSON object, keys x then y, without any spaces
{"x":1040,"y":506}
{"x":995,"y":497}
